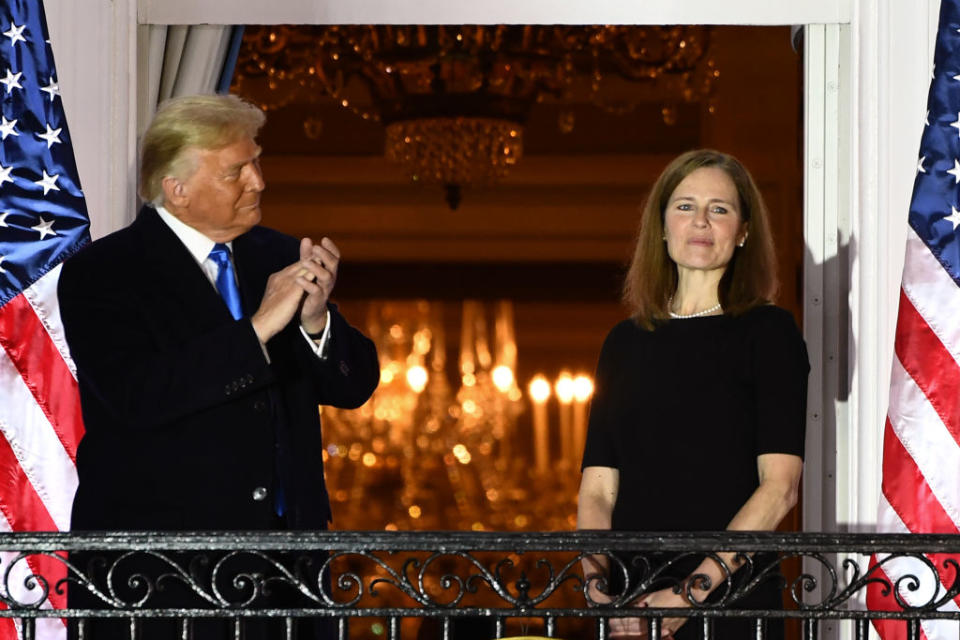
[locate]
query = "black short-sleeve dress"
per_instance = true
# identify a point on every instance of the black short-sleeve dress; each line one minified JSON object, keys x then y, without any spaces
{"x":683,"y":411}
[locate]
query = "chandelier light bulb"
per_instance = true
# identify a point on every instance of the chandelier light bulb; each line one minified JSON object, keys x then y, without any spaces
{"x":417,"y":378}
{"x":565,"y":388}
{"x":539,"y":389}
{"x":502,"y":378}
{"x":582,"y":388}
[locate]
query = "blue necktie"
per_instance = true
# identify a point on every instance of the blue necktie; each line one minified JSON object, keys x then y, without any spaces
{"x":226,"y":281}
{"x":227,"y":286}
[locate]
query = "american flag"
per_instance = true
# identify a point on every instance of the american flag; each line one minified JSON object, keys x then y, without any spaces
{"x":43,"y":220}
{"x":921,"y":441}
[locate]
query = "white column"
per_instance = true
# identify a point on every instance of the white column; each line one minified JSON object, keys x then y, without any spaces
{"x":892,"y":45}
{"x":94,"y":47}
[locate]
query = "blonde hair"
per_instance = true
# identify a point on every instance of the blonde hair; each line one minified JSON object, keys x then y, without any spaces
{"x":187,"y":123}
{"x":750,"y":278}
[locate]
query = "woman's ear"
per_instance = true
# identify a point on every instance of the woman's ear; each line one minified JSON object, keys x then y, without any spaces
{"x":743,"y":237}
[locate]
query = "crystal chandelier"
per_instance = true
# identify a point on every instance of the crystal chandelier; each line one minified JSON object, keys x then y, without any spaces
{"x":455,"y":444}
{"x":454,"y":99}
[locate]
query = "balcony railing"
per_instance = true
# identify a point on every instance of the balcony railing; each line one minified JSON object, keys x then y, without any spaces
{"x":428,"y":581}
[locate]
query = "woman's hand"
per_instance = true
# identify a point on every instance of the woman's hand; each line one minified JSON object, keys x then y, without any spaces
{"x":629,"y":627}
{"x":667,"y":599}
{"x":639,"y":628}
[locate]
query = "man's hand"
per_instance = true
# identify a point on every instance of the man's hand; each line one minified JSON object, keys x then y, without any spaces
{"x":305,"y":285}
{"x":322,"y":261}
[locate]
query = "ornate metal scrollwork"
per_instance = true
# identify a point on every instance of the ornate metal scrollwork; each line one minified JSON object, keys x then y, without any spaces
{"x":504,"y":575}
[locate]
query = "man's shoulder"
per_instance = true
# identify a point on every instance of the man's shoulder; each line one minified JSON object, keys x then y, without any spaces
{"x":267,"y":241}
{"x":272,"y":236}
{"x":114,"y":246}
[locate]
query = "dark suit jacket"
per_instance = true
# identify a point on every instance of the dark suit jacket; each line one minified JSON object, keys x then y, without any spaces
{"x":185,"y":419}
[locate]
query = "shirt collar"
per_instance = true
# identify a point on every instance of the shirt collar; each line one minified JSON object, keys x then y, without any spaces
{"x":196,"y":243}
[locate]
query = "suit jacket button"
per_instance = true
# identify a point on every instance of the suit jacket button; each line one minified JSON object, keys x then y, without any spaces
{"x":260,"y":494}
{"x":344,"y":368}
{"x":227,"y":390}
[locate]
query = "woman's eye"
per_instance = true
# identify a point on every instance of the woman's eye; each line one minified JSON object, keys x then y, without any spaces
{"x":719,"y":210}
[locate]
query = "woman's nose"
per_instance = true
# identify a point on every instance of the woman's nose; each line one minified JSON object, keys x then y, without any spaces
{"x":700,"y":217}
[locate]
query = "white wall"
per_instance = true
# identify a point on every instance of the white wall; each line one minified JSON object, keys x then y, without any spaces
{"x":93,"y":45}
{"x":496,"y":11}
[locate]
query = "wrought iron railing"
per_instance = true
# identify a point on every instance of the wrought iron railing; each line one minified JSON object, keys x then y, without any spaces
{"x":513,"y":582}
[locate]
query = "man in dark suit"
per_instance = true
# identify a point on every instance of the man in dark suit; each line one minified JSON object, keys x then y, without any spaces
{"x":204,"y":343}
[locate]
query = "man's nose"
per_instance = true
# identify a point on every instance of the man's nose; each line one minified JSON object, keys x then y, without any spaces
{"x":255,"y":179}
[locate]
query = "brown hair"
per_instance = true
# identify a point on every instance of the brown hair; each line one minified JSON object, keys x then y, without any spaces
{"x":750,"y":278}
{"x":187,"y":123}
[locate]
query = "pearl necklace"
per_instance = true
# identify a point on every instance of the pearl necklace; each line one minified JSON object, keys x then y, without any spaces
{"x":705,"y":312}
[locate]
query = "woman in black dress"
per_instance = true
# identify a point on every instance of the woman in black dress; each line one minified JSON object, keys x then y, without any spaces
{"x":698,"y":419}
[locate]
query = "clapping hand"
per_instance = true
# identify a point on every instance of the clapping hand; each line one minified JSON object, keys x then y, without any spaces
{"x":303,"y":286}
{"x":321,"y":262}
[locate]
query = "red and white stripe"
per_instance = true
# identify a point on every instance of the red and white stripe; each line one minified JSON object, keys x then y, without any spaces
{"x":921,"y":442}
{"x":41,"y":425}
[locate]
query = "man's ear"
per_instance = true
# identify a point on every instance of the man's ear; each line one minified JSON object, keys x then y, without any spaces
{"x":174,"y":192}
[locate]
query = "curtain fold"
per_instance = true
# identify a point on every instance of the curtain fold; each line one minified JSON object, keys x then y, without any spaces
{"x":179,"y":60}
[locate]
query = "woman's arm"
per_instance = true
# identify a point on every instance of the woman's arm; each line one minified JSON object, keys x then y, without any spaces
{"x":779,"y":475}
{"x":598,"y":494}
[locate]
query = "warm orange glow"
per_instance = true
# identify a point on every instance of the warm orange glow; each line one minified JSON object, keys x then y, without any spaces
{"x":417,"y":378}
{"x":539,"y":389}
{"x":502,"y":378}
{"x":421,"y":341}
{"x":414,"y":511}
{"x":582,"y":388}
{"x":369,"y":459}
{"x":564,"y":388}
{"x":462,"y":453}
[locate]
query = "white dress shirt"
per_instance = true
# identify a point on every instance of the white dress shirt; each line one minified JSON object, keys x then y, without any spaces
{"x":200,"y":246}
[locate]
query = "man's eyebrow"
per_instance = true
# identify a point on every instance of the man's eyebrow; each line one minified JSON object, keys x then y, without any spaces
{"x":240,"y":164}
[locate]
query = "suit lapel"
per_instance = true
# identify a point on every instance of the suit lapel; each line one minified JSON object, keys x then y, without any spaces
{"x":252,"y":271}
{"x":175,"y":275}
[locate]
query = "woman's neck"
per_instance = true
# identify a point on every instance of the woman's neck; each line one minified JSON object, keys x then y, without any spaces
{"x":696,"y":291}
